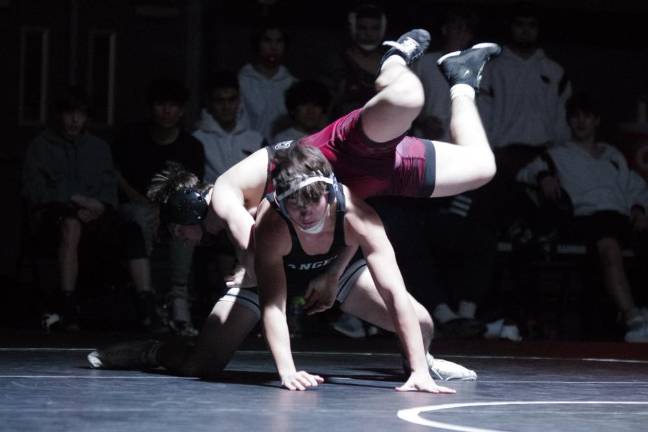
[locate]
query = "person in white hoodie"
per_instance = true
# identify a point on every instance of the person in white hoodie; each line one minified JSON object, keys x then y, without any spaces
{"x":223,"y":129}
{"x":264,"y":82}
{"x":524,"y":91}
{"x":609,"y":204}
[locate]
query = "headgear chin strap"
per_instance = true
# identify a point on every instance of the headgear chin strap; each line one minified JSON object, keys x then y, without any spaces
{"x":186,"y":206}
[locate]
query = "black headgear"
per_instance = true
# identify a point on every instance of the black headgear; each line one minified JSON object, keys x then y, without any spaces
{"x":186,"y":206}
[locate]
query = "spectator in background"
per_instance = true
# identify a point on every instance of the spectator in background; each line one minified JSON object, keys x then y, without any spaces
{"x":264,"y":81}
{"x":70,"y":186}
{"x":522,"y":99}
{"x":224,"y":134}
{"x":350,"y":74}
{"x":457,"y":32}
{"x":140,"y":151}
{"x":609,"y":204}
{"x":308,"y":104}
{"x":524,"y":92}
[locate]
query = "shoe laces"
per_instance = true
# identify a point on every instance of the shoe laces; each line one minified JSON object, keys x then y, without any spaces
{"x":408,"y":46}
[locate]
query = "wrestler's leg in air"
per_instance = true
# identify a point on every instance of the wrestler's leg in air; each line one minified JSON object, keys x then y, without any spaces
{"x":399,"y":98}
{"x":469,"y":163}
{"x":466,"y":164}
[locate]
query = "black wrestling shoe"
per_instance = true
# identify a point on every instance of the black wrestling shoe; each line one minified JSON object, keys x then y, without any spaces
{"x":409,"y":46}
{"x":465,"y":67}
{"x":127,"y":355}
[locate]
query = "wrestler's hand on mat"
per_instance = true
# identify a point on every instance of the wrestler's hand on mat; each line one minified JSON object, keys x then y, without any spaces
{"x":300,"y":380}
{"x":320,"y":294}
{"x":423,"y":382}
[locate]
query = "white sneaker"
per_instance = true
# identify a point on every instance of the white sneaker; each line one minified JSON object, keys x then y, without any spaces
{"x":127,"y":355}
{"x":637,"y":330}
{"x":445,"y":370}
{"x":510,"y":332}
{"x":500,"y":329}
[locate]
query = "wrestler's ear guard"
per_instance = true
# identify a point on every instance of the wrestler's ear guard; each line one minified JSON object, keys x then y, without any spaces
{"x":333,"y":189}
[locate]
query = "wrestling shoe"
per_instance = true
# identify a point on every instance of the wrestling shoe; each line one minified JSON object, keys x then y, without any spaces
{"x":465,"y":67}
{"x":444,"y":370}
{"x":409,"y":46}
{"x":127,"y":355}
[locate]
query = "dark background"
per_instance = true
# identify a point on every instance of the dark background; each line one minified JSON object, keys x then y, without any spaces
{"x":601,"y":45}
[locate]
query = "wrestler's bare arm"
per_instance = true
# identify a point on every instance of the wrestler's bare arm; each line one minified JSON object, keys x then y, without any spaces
{"x":364,"y":227}
{"x":272,"y":244}
{"x":236,"y":192}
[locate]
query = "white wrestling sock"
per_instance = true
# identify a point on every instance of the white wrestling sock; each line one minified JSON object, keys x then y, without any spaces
{"x":393,"y":58}
{"x":467,"y":309}
{"x":462,"y":90}
{"x":443,"y":313}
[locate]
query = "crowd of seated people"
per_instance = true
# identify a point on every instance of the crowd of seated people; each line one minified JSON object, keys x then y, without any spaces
{"x":80,"y":189}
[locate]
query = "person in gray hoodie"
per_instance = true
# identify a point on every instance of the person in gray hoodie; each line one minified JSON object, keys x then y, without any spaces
{"x":70,"y":187}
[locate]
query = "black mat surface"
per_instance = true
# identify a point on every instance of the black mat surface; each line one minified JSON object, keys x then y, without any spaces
{"x":51,"y":388}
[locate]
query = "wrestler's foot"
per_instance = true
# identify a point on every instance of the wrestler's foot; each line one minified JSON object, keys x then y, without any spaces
{"x":409,"y":46}
{"x":128,"y":355}
{"x":465,"y":67}
{"x":444,"y":370}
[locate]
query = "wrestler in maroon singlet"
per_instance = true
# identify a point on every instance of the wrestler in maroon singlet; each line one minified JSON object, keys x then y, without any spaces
{"x":403,"y":166}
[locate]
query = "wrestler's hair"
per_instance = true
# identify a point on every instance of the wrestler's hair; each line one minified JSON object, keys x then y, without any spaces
{"x":296,"y":165}
{"x":172,"y":178}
